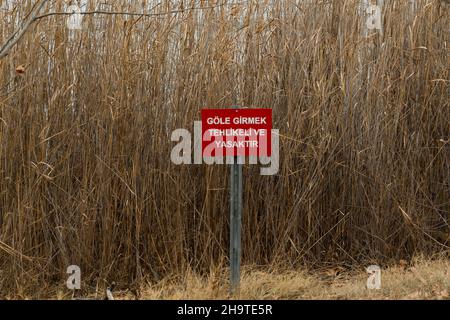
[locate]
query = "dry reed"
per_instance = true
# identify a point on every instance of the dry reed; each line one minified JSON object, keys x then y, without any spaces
{"x":85,"y":171}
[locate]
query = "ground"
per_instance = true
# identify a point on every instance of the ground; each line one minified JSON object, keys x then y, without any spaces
{"x":421,"y":279}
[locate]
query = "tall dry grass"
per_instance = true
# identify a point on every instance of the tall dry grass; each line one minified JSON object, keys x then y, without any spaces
{"x":85,"y":171}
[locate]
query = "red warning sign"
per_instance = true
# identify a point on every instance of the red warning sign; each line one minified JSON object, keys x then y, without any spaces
{"x":236,"y":132}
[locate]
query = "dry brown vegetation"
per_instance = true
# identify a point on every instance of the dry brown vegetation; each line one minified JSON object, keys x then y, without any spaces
{"x":85,"y":124}
{"x":421,"y":279}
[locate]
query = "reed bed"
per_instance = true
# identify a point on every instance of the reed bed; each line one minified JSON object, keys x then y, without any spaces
{"x":85,"y":170}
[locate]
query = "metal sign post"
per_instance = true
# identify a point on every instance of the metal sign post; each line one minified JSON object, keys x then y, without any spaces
{"x":235,"y":224}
